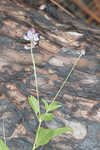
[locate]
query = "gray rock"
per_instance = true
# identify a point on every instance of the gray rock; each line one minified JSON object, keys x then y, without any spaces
{"x":3,"y":105}
{"x":8,"y":125}
{"x":79,"y":130}
{"x":11,"y":117}
{"x":91,"y":142}
{"x":69,"y":51}
{"x":56,"y":62}
{"x":19,"y":144}
{"x":31,"y":126}
{"x":56,"y":123}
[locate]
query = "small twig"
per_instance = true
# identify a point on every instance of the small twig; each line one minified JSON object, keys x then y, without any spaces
{"x":62,"y":8}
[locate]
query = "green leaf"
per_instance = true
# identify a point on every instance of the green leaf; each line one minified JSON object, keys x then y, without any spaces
{"x":3,"y":145}
{"x":54,"y":105}
{"x":46,"y":104}
{"x":59,"y":131}
{"x":34,"y":104}
{"x":46,"y":116}
{"x":45,"y":135}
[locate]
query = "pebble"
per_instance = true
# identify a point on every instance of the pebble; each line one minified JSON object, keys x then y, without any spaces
{"x":79,"y":130}
{"x":56,"y":62}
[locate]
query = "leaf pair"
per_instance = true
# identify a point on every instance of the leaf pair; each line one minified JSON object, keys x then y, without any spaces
{"x":45,"y":135}
{"x":46,"y":117}
{"x":50,"y":107}
{"x":34,"y":103}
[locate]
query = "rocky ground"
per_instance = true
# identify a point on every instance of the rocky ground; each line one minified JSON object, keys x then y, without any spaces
{"x":59,"y":47}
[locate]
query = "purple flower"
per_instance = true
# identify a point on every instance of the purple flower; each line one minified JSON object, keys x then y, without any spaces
{"x":31,"y":35}
{"x":83,"y":52}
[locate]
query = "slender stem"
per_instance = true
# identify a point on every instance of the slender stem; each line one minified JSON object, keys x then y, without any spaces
{"x":37,"y":134}
{"x":67,"y":77}
{"x":35,"y":74}
{"x":37,"y":92}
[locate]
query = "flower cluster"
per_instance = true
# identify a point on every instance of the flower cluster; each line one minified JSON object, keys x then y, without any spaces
{"x":33,"y":36}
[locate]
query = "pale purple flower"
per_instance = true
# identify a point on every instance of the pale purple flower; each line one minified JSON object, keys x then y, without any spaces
{"x":36,"y":37}
{"x":31,"y":35}
{"x":83,"y":52}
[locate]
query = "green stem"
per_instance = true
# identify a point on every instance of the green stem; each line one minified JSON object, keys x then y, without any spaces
{"x":34,"y":145}
{"x":66,"y":79}
{"x":35,"y":74}
{"x":37,"y":92}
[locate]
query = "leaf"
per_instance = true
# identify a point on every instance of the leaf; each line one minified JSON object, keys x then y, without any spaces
{"x":59,"y":131}
{"x":34,"y":104}
{"x":3,"y":145}
{"x":46,"y":116}
{"x":46,"y":104}
{"x":45,"y":135}
{"x":54,"y":105}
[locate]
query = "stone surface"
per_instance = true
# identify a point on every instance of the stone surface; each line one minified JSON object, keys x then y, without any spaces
{"x":11,"y":116}
{"x":79,"y":130}
{"x":55,"y":55}
{"x":91,"y":142}
{"x":19,"y":143}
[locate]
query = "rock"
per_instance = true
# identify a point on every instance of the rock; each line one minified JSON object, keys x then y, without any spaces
{"x":91,"y":142}
{"x":11,"y":117}
{"x":30,"y":126}
{"x":19,"y":144}
{"x":79,"y":130}
{"x":56,"y":123}
{"x":69,"y":51}
{"x":63,"y":146}
{"x":3,"y":105}
{"x":57,"y":51}
{"x":56,"y":62}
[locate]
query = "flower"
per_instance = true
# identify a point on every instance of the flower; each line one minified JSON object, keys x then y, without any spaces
{"x":83,"y":52}
{"x":31,"y":35}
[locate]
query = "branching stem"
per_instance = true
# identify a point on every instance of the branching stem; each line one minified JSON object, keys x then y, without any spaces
{"x":37,"y":92}
{"x":67,"y":77}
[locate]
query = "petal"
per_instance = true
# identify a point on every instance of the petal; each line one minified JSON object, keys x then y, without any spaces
{"x":26,"y":38}
{"x":83,"y":52}
{"x":30,"y":35}
{"x":36,"y":37}
{"x":33,"y":46}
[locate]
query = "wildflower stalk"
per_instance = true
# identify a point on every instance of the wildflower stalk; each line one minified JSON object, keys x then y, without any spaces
{"x":37,"y":92}
{"x":35,"y":74}
{"x":67,"y":77}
